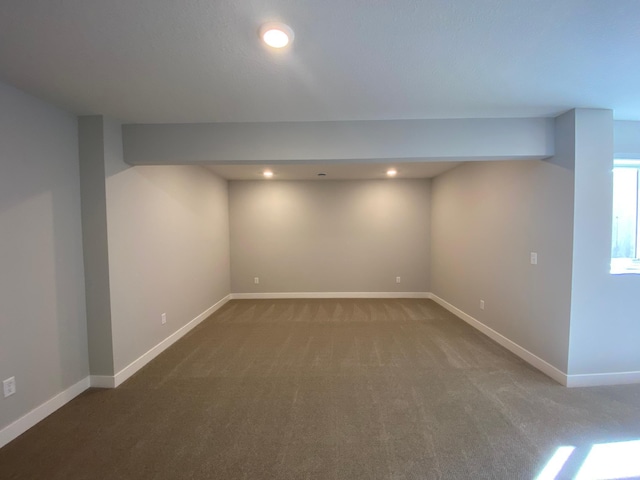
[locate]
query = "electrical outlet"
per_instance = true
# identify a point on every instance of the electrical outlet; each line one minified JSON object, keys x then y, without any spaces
{"x":481,"y":304}
{"x":9,"y":386}
{"x":397,"y":279}
{"x":164,"y":318}
{"x":256,"y":280}
{"x":534,"y":258}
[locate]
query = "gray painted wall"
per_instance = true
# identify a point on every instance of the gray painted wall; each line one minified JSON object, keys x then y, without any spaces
{"x":468,"y":139}
{"x":168,"y":247}
{"x":333,"y":236}
{"x":94,"y":240}
{"x":43,"y":337}
{"x":605,"y":332}
{"x":626,"y":139}
{"x":486,"y":220}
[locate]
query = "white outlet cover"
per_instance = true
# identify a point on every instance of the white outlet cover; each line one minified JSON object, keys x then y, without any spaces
{"x":534,"y":258}
{"x":9,"y":386}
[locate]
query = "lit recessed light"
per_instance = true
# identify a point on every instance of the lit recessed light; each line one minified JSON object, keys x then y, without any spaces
{"x":276,"y":35}
{"x":267,"y":173}
{"x":392,"y":172}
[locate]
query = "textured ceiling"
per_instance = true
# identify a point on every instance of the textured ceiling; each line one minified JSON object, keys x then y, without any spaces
{"x":148,"y":61}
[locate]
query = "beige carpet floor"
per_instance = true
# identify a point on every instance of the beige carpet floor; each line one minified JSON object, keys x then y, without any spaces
{"x":326,"y":389}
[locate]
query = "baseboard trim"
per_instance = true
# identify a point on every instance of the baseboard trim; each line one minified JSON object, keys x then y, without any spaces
{"x":602,"y":379}
{"x":105,"y":381}
{"x":292,"y":295}
{"x":102,"y":381}
{"x":24,"y":423}
{"x":510,"y":345}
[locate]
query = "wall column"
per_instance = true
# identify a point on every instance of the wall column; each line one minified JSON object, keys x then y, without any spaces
{"x":95,"y":244}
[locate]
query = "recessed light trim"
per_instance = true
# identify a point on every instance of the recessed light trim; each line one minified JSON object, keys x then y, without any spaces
{"x":392,"y":172}
{"x":276,"y":35}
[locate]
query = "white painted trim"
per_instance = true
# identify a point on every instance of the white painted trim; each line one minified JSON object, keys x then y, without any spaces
{"x":510,"y":345}
{"x":41,"y":412}
{"x":106,"y":381}
{"x":24,"y":423}
{"x":602,"y":379}
{"x":102,"y":381}
{"x":136,"y":365}
{"x":584,"y":380}
{"x":265,"y":296}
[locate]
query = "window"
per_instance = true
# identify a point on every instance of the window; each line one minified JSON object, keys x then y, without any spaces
{"x":625,"y":239}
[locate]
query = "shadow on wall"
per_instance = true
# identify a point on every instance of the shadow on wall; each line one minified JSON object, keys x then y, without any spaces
{"x":42,"y":304}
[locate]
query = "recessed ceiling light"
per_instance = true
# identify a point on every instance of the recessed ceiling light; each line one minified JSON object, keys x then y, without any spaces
{"x":276,"y":35}
{"x":392,"y":172}
{"x":322,"y":174}
{"x":268,"y":173}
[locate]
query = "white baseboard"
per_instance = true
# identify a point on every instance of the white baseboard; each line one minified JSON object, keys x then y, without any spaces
{"x":602,"y":379}
{"x":579,"y":380}
{"x":102,"y":381}
{"x":105,"y":381}
{"x":18,"y":427}
{"x":266,"y":296}
{"x":513,"y":347}
{"x":39,"y":413}
{"x":545,"y":367}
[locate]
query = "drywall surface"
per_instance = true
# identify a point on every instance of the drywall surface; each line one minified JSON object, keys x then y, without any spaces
{"x":94,"y":241}
{"x":626,"y":139}
{"x":605,"y":331}
{"x":333,"y":236}
{"x":487,"y":218}
{"x":168,"y":231}
{"x":462,"y":139}
{"x":43,"y":336}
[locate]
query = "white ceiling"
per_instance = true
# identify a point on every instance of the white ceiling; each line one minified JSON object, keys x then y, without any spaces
{"x":334,"y":171}
{"x":151,"y":61}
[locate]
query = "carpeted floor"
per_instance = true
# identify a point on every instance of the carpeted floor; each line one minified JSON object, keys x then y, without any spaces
{"x":326,"y":389}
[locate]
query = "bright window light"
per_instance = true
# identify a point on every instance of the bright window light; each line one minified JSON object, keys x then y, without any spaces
{"x":611,"y":460}
{"x":605,"y":461}
{"x":625,"y":231}
{"x":555,"y":464}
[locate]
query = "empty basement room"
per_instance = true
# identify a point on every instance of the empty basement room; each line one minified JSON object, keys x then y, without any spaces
{"x":251,"y":240}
